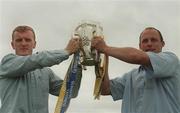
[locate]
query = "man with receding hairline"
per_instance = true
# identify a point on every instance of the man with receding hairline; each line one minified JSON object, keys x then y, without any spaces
{"x":154,"y":87}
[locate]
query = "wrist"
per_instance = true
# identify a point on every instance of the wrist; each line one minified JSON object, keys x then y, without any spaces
{"x":105,"y":50}
{"x":68,"y":52}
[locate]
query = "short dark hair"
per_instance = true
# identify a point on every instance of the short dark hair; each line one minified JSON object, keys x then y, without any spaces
{"x":23,"y":28}
{"x":148,"y":28}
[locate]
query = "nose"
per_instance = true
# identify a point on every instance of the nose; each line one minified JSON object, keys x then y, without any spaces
{"x":23,"y":42}
{"x":149,"y":43}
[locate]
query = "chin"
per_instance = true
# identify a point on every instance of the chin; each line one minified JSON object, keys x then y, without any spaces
{"x":154,"y":51}
{"x":23,"y":54}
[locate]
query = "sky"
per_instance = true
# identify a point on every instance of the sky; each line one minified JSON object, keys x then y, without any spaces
{"x":54,"y":22}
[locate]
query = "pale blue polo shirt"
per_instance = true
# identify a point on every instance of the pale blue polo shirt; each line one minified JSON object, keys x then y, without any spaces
{"x":153,"y":89}
{"x":26,"y":81}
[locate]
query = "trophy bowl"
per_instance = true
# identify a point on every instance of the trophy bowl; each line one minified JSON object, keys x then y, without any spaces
{"x":86,"y":30}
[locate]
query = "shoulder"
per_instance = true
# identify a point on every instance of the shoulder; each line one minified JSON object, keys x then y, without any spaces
{"x":163,"y":64}
{"x":170,"y":54}
{"x":163,"y":55}
{"x":8,"y":57}
{"x":163,"y":58}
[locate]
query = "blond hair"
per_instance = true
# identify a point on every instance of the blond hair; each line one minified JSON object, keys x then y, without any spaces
{"x":23,"y":28}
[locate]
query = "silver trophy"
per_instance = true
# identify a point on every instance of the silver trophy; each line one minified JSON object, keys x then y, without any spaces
{"x":86,"y":30}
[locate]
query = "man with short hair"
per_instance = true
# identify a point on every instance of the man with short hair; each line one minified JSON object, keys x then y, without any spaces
{"x":26,"y":80}
{"x":154,"y":87}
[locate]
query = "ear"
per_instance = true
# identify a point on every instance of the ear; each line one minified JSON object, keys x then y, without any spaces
{"x":140,"y":46}
{"x":12,"y":44}
{"x":34,"y":45}
{"x":163,"y":43}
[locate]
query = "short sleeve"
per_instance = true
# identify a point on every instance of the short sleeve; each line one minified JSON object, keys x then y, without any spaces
{"x":55,"y":83}
{"x":163,"y":64}
{"x":117,"y":86}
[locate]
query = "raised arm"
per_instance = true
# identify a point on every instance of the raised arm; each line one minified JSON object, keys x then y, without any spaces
{"x":126,"y":54}
{"x":14,"y":65}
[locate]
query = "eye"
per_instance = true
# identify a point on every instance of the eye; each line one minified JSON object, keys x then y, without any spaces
{"x":153,"y":40}
{"x":144,"y":40}
{"x":28,"y":40}
{"x":18,"y":40}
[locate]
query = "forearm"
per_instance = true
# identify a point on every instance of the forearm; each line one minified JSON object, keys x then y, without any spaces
{"x":128,"y":54}
{"x":15,"y":65}
{"x":105,"y":86}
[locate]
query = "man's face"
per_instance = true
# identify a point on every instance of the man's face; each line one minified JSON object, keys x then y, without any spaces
{"x":23,"y":43}
{"x":151,"y":41}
